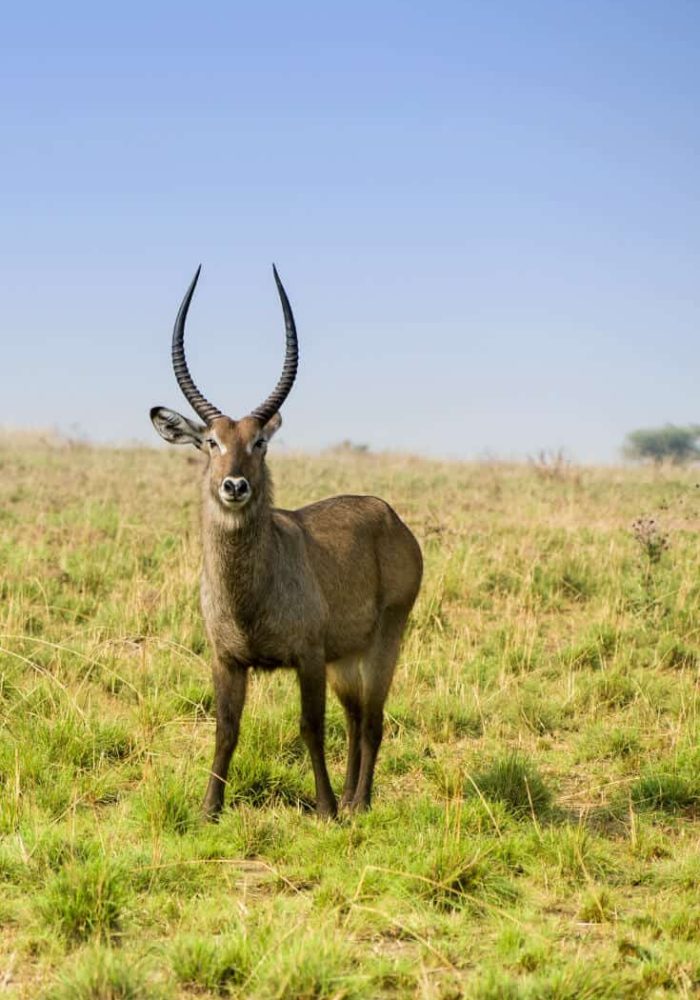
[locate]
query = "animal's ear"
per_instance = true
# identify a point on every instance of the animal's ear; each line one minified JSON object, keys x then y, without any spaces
{"x":271,"y":427}
{"x":176,"y":429}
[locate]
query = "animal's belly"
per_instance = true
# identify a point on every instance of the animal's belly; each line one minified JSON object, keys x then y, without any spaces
{"x":348,"y":641}
{"x":268,"y":663}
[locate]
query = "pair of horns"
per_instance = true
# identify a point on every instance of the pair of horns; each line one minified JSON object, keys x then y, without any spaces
{"x":206,"y":410}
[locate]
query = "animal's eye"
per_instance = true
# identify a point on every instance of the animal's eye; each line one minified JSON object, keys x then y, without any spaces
{"x":212,"y":444}
{"x":260,"y":443}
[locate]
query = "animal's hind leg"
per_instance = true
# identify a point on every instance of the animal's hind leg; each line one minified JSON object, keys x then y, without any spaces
{"x":311,"y":672}
{"x":345,"y":680}
{"x":377,"y":670}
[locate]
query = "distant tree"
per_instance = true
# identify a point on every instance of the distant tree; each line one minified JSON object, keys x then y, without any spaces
{"x":669,"y":443}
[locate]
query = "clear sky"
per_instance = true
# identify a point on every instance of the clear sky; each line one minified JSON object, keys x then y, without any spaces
{"x":486,"y":214}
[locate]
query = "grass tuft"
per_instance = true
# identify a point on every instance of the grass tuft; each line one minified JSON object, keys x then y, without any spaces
{"x":516,"y":783}
{"x":167,"y":804}
{"x":666,"y":791}
{"x":458,"y":882}
{"x":86,"y":900}
{"x":212,"y":963}
{"x":671,"y":785}
{"x":103,"y":974}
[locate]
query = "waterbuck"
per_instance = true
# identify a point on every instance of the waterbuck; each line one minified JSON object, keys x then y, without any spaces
{"x":325,"y":590}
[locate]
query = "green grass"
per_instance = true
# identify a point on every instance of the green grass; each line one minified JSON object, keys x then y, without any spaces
{"x":510,"y":779}
{"x":536,"y":826}
{"x":85,"y":900}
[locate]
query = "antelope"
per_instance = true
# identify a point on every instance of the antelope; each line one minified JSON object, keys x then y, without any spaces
{"x":325,"y":590}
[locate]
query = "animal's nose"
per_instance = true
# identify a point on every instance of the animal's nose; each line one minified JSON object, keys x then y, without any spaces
{"x":235,"y":487}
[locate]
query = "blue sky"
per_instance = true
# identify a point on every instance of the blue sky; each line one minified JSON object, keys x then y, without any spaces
{"x":486,"y":215}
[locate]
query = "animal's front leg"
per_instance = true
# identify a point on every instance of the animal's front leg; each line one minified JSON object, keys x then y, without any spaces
{"x":312,"y":685}
{"x":230,"y":681}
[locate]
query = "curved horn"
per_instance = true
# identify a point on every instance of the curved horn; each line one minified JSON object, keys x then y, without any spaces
{"x":199,"y":404}
{"x":291,"y":361}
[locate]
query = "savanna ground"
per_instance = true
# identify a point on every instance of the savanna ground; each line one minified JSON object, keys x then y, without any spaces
{"x":536,"y":823}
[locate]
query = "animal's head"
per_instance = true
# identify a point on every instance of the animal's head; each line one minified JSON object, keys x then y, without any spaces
{"x":236,"y":448}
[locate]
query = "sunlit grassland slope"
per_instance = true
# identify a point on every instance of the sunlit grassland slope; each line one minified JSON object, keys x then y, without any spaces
{"x":536,"y":827}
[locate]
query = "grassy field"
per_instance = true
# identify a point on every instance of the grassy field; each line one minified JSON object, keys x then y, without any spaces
{"x":536,"y":827}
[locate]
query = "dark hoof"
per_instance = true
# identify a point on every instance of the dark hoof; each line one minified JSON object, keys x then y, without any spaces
{"x":211,"y":812}
{"x":326,"y":810}
{"x":358,"y":806}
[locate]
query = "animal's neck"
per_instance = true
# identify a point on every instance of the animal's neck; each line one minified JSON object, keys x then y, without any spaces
{"x":238,"y":549}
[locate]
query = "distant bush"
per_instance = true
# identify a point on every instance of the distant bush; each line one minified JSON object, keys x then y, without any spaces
{"x":669,"y":443}
{"x":348,"y":447}
{"x":553,"y":465}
